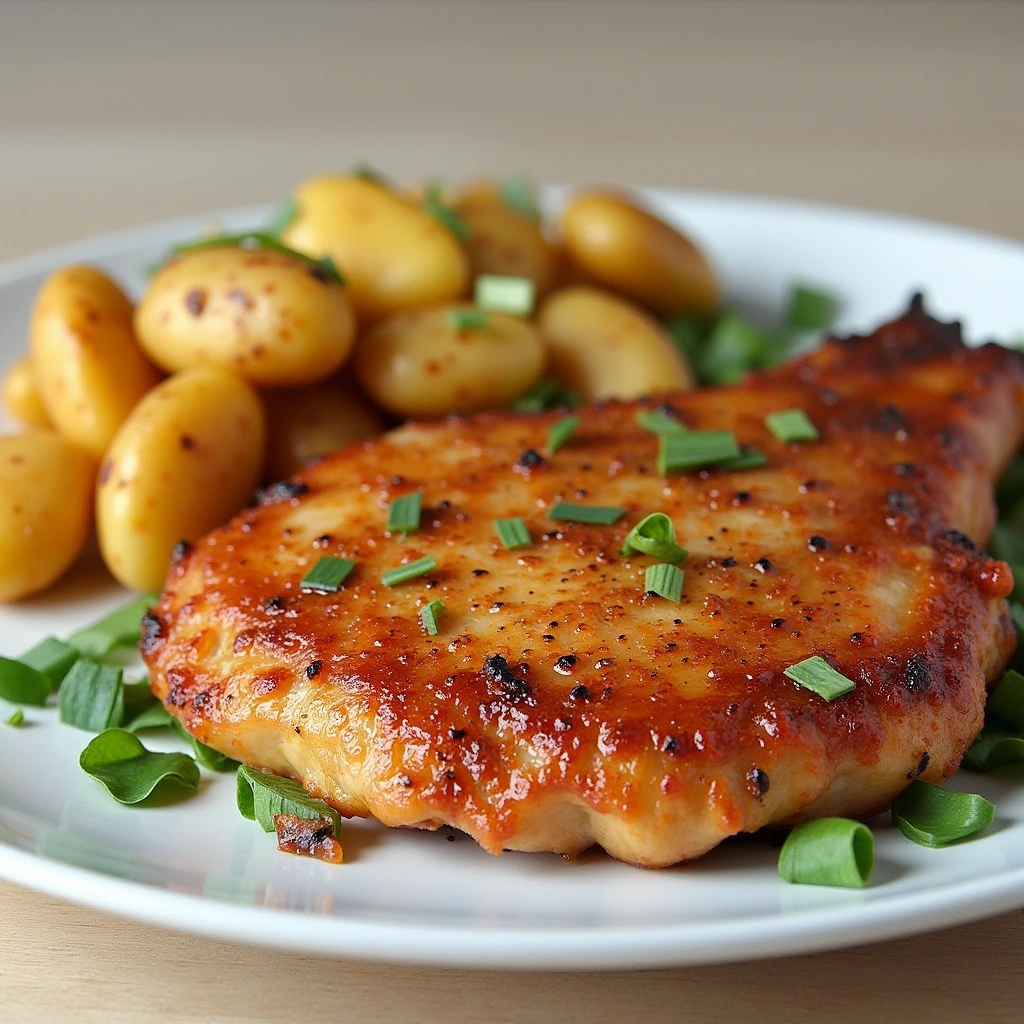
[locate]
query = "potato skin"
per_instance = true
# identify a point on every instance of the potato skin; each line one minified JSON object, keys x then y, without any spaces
{"x":418,"y":364}
{"x":21,"y":395}
{"x":630,"y":251}
{"x":605,"y":347}
{"x":270,"y":317}
{"x":303,"y":423}
{"x":46,"y":487}
{"x":88,"y":367}
{"x":393,"y":255}
{"x":187,"y":458}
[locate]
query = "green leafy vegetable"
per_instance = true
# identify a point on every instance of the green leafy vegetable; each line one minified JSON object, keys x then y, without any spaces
{"x":260,"y":796}
{"x":664,"y":580}
{"x":791,"y":425}
{"x":468,"y":319}
{"x":513,"y":295}
{"x":430,"y":616}
{"x":828,"y":851}
{"x":411,"y":571}
{"x":933,"y":816}
{"x":328,"y":574}
{"x":52,"y":657}
{"x":817,"y":675}
{"x":654,"y":535}
{"x":91,"y":696}
{"x":154,"y":717}
{"x":600,"y":515}
{"x":749,"y":458}
{"x":695,"y":449}
{"x":546,"y":394}
{"x":21,"y":684}
{"x":16,"y":719}
{"x":121,"y":628}
{"x":513,"y":533}
{"x":810,"y":309}
{"x":993,"y":748}
{"x":404,"y":513}
{"x":658,"y":422}
{"x":560,"y":433}
{"x":129,"y":771}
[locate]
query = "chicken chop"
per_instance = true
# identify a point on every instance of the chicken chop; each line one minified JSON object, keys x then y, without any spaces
{"x":561,"y":704}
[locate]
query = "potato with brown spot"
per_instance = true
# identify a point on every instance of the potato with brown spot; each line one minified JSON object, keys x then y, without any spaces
{"x":88,"y":366}
{"x":423,"y":364}
{"x":187,"y":458}
{"x":274,"y":318}
{"x":21,"y":395}
{"x":629,"y":250}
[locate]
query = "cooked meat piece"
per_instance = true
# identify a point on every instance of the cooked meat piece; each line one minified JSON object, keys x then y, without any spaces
{"x":560,"y":705}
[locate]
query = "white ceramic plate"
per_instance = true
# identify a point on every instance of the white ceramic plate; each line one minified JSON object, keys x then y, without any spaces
{"x":418,"y":897}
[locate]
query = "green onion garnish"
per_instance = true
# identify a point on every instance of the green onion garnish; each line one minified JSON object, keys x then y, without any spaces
{"x":748,"y":459}
{"x":695,"y":449}
{"x":154,"y":717}
{"x":810,"y":309}
{"x":733,"y":348}
{"x":791,"y":425}
{"x":513,"y":295}
{"x":518,"y":194}
{"x":546,"y":394}
{"x":22,"y":684}
{"x":658,"y":422}
{"x":513,"y":533}
{"x":434,"y":205}
{"x":129,"y":771}
{"x":600,"y":515}
{"x":404,"y":513}
{"x":430,"y":615}
{"x":260,"y":796}
{"x":1006,"y":701}
{"x":993,"y":748}
{"x":664,"y":580}
{"x":283,"y":216}
{"x":52,"y":657}
{"x":468,"y":319}
{"x":91,"y":696}
{"x":367,"y":173}
{"x":207,"y":756}
{"x":561,"y":432}
{"x":932,"y":816}
{"x":828,"y":851}
{"x":121,"y":628}
{"x":260,"y":240}
{"x":654,"y":535}
{"x":404,"y":573}
{"x":17,"y":718}
{"x":817,"y":675}
{"x":328,"y":574}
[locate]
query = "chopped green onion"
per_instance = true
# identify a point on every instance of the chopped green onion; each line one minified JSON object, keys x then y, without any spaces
{"x":658,"y":422}
{"x":468,"y":319}
{"x":810,"y":309}
{"x":513,"y":295}
{"x":654,"y":535}
{"x":91,"y":696}
{"x":791,"y":425}
{"x":828,"y":851}
{"x":129,"y":771}
{"x":207,"y":756}
{"x":600,"y":515}
{"x":1007,"y":543}
{"x":517,"y":194}
{"x":695,"y":449}
{"x":22,"y":684}
{"x":732,"y":349}
{"x":1006,"y":701}
{"x":52,"y":657}
{"x":283,"y":216}
{"x":328,"y":574}
{"x":750,"y":458}
{"x":513,"y":533}
{"x":561,"y":432}
{"x":689,"y":331}
{"x":154,"y":717}
{"x":260,"y":796}
{"x":546,"y":394}
{"x":933,"y":816}
{"x":404,"y":573}
{"x":260,"y":240}
{"x":368,"y":173}
{"x":137,"y":697}
{"x":404,"y":513}
{"x":817,"y":675}
{"x":17,"y":718}
{"x":121,"y":628}
{"x":434,"y":205}
{"x":993,"y":748}
{"x":430,"y":615}
{"x":664,"y":580}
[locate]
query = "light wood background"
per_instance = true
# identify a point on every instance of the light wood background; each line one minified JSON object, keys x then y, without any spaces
{"x":116,"y":113}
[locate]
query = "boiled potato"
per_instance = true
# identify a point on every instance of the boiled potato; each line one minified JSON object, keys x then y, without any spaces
{"x":273,"y":318}
{"x":187,"y":458}
{"x":394,"y":255}
{"x":88,"y":367}
{"x":421,"y":363}
{"x":305,"y":422}
{"x":21,"y":395}
{"x":46,"y":487}
{"x":628,"y":250}
{"x":605,"y":347}
{"x":505,"y":242}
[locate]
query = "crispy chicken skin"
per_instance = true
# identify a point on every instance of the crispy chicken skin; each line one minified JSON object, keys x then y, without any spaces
{"x":560,"y":706}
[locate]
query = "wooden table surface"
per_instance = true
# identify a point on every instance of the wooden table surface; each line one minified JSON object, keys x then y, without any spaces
{"x":116,"y":113}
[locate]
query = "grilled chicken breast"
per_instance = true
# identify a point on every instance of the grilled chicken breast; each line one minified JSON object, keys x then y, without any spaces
{"x":560,"y":705}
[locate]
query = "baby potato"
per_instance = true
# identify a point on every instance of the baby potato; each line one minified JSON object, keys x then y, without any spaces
{"x":393,"y":254}
{"x":605,"y":347}
{"x":187,"y":458}
{"x":21,"y":395}
{"x":305,"y":422}
{"x":46,"y":487}
{"x":628,"y":250}
{"x":88,"y":367}
{"x":272,"y":318}
{"x":420,"y":363}
{"x":503,"y":241}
